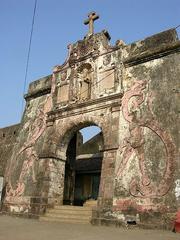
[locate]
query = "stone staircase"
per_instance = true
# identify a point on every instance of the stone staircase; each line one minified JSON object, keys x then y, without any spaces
{"x":68,"y":214}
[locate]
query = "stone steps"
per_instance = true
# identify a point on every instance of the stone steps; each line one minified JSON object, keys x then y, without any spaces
{"x":69,"y":207}
{"x":68,"y":214}
{"x":76,"y":221}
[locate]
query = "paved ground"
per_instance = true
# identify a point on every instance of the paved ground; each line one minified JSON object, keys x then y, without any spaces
{"x":12,"y":228}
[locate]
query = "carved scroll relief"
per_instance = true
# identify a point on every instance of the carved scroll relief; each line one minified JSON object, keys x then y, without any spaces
{"x":137,"y":111}
{"x":27,"y":153}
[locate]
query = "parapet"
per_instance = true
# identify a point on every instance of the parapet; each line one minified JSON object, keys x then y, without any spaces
{"x":152,"y":47}
{"x":39,"y":87}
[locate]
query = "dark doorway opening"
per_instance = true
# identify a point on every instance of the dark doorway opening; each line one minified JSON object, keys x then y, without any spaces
{"x":83,"y":169}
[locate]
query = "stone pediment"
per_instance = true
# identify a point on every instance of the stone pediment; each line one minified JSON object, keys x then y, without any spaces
{"x":88,"y":72}
{"x":91,"y":45}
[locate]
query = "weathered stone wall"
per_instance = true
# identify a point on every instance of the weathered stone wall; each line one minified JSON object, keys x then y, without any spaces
{"x":147,"y":165}
{"x":131,"y":93}
{"x":8,"y":139}
{"x":22,"y":168}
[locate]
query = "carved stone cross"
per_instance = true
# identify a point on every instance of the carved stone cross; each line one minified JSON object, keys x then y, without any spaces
{"x":92,"y":16}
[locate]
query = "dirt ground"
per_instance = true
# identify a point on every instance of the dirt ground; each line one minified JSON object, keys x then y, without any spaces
{"x":12,"y":228}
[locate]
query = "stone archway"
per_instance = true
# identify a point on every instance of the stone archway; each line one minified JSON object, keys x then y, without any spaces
{"x":71,"y":173}
{"x":83,"y":169}
{"x":53,"y":157}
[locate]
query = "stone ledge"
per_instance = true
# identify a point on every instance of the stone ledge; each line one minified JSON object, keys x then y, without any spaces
{"x":84,"y":107}
{"x":37,"y":93}
{"x":148,"y":55}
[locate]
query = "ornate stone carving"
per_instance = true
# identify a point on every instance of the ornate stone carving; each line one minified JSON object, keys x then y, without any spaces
{"x":64,"y":75}
{"x":107,"y":59}
{"x":37,"y":127}
{"x":135,"y":143}
{"x":85,"y":81}
{"x":83,"y":48}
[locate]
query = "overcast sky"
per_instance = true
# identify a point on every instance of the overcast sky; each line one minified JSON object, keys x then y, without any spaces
{"x":59,"y":23}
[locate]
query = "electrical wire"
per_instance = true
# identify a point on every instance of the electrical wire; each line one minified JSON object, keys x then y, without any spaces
{"x":28,"y":52}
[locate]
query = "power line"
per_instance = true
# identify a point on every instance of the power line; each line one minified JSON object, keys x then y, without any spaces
{"x":177,"y":26}
{"x":28,"y":52}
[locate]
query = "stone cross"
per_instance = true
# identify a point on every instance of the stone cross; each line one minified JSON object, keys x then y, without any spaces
{"x":92,"y":16}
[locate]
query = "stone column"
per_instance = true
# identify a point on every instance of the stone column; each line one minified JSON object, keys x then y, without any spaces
{"x":107,"y":178}
{"x":56,"y":181}
{"x":50,"y":185}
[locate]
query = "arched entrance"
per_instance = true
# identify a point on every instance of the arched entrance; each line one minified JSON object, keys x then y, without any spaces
{"x":83,"y":166}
